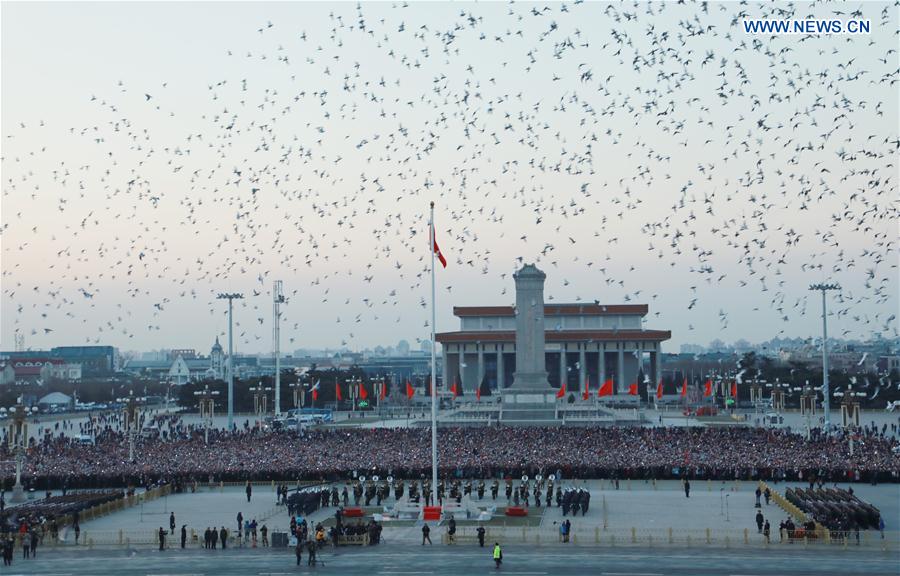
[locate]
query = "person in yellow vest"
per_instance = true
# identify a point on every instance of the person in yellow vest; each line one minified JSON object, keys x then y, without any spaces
{"x":498,"y":556}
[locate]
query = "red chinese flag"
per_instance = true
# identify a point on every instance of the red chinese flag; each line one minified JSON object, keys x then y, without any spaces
{"x":363,"y":394}
{"x":633,"y":389}
{"x":437,"y":251}
{"x":659,"y":390}
{"x":587,"y":389}
{"x":606,"y":389}
{"x":454,"y":389}
{"x":561,"y":393}
{"x":734,"y":389}
{"x":315,"y":394}
{"x":337,"y":391}
{"x":383,"y":394}
{"x":410,"y":391}
{"x":707,"y":389}
{"x":478,"y":393}
{"x":684,"y":388}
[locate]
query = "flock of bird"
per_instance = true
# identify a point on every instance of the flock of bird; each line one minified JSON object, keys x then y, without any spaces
{"x":638,"y":152}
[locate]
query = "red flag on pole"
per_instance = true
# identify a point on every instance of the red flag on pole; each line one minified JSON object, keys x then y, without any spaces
{"x":633,"y":389}
{"x":587,"y":389}
{"x":606,"y":389}
{"x":659,"y":391}
{"x":707,"y":389}
{"x":478,"y":393}
{"x":410,"y":391}
{"x":363,"y":394}
{"x":684,"y":388}
{"x":734,"y":390}
{"x":337,"y":391}
{"x":455,"y":389}
{"x":561,"y":393}
{"x":437,"y":250}
{"x":383,"y":393}
{"x":315,"y":392}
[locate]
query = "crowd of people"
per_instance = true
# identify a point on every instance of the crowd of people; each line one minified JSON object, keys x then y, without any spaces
{"x":182,"y":456}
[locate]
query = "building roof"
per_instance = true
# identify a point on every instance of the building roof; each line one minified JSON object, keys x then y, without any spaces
{"x":148,"y":365}
{"x":557,"y":336}
{"x":55,"y":398}
{"x":33,"y":366}
{"x":556,"y":310}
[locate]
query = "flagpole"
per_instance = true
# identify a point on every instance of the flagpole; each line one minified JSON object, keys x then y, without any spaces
{"x":434,"y":460}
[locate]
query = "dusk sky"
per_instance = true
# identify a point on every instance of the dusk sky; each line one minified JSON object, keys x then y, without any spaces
{"x":156,"y":154}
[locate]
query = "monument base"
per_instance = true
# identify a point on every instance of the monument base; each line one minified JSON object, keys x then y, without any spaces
{"x":535,"y":407}
{"x":18,"y":494}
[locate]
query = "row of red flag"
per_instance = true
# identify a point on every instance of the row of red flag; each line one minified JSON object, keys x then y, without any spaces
{"x":607,"y":389}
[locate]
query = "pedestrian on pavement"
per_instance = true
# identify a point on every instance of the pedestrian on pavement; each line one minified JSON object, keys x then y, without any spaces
{"x":480,"y":532}
{"x":162,"y":539}
{"x":223,"y":536}
{"x":687,"y":488}
{"x":768,"y":495}
{"x":6,"y":545}
{"x":498,"y":556}
{"x":249,"y":490}
{"x":758,"y":495}
{"x":34,"y":543}
{"x":183,"y":535}
{"x":759,"y":521}
{"x":311,"y":553}
{"x":26,"y":546}
{"x":240,"y":520}
{"x":451,"y":530}
{"x":298,"y":550}
{"x":172,"y":523}
{"x":425,"y":534}
{"x":767,"y":531}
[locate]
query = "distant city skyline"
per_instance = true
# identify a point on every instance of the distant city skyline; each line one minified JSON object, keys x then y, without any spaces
{"x":649,"y":153}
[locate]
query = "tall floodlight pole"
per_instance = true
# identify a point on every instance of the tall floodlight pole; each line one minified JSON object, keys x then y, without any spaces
{"x":434,"y":451}
{"x":230,"y":297}
{"x":826,"y":404}
{"x":278,"y":299}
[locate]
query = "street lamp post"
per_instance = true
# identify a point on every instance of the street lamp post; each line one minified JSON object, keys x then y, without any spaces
{"x":207,"y":407}
{"x":299,"y":394}
{"x":230,"y":366}
{"x":131,"y":421}
{"x":278,"y":300}
{"x":18,"y":443}
{"x":260,"y":400}
{"x":354,"y":384}
{"x":826,"y":404}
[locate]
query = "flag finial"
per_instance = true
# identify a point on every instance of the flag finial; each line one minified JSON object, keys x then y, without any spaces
{"x":432,"y":203}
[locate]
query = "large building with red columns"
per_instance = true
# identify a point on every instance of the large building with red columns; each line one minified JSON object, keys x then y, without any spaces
{"x":582,"y":342}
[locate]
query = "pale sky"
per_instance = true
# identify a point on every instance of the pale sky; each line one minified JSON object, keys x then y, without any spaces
{"x":155,"y":154}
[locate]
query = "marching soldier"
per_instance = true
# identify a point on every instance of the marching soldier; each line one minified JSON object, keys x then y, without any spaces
{"x":495,"y":488}
{"x":481,"y":490}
